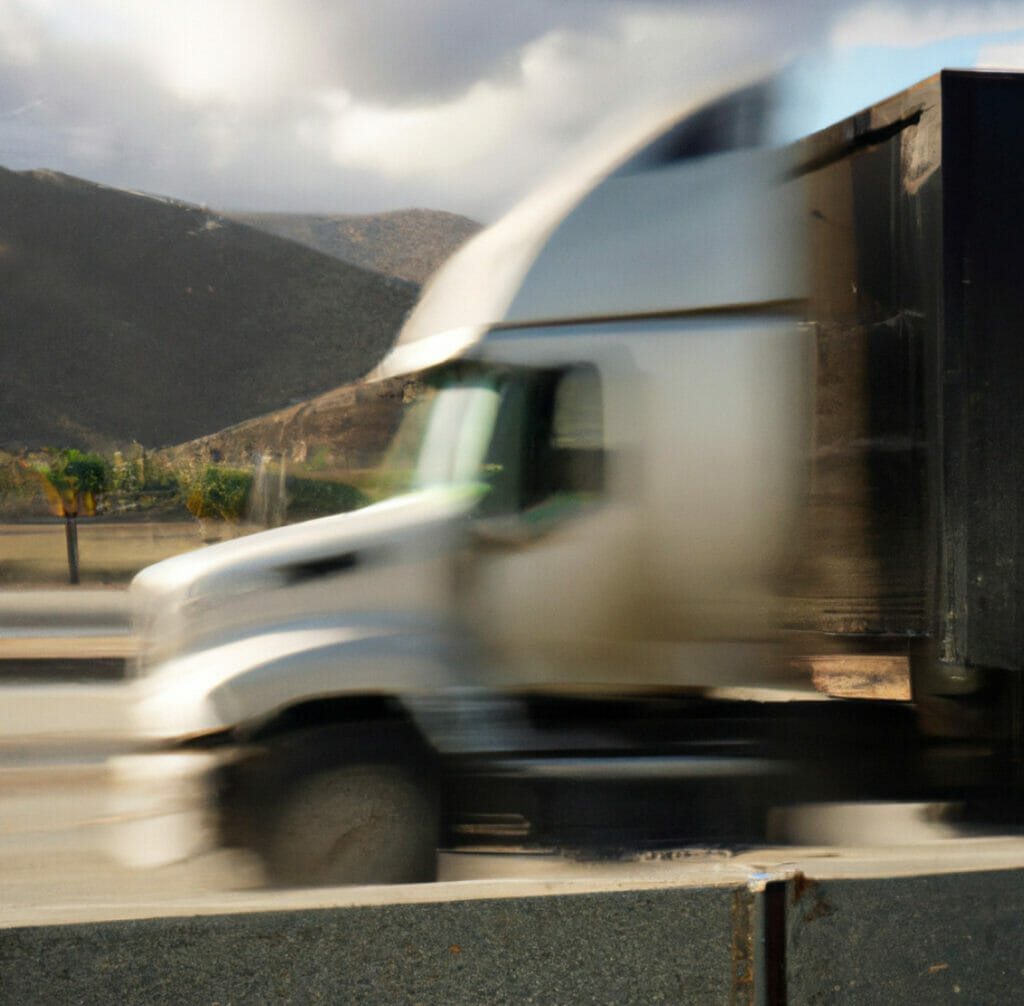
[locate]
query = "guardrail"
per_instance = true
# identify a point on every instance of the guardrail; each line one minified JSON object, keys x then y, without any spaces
{"x":78,"y":634}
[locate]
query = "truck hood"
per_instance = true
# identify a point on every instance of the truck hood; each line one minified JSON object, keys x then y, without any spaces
{"x":266,"y":578}
{"x":222,"y":566}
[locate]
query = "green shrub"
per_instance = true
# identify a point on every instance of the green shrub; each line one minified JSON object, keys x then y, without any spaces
{"x":219,"y":492}
{"x":320,"y":460}
{"x":320,"y":497}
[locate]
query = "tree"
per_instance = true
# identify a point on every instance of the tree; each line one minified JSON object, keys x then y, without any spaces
{"x":72,"y":481}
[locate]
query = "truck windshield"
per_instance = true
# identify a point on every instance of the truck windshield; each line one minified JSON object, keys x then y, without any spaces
{"x":524,"y":439}
{"x":443,"y":436}
{"x":455,"y":440}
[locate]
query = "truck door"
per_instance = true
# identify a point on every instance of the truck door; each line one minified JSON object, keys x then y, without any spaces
{"x":544,"y":582}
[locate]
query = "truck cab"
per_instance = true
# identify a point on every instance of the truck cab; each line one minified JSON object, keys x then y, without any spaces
{"x":596,"y":485}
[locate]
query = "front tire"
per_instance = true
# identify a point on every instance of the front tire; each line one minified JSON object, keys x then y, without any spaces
{"x":357,"y":824}
{"x":352,"y":803}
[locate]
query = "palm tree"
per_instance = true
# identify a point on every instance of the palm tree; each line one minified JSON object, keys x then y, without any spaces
{"x":72,"y":481}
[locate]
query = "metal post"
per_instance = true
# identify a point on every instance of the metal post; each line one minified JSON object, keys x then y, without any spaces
{"x":71,"y":534}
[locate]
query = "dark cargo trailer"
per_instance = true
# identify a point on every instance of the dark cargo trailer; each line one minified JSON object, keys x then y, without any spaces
{"x":914,"y":542}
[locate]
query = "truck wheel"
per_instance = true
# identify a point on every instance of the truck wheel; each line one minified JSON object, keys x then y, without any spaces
{"x":355,"y":824}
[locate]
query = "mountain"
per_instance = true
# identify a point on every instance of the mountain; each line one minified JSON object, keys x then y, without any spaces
{"x":406,"y":244}
{"x":128,"y":317}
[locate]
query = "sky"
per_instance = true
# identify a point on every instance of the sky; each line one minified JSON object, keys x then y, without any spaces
{"x":359,"y":106}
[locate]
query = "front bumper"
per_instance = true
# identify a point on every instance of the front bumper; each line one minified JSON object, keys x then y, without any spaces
{"x":163,"y":805}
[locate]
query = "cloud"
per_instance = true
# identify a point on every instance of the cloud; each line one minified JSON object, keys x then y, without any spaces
{"x":516,"y":124}
{"x":388,"y":51}
{"x":402,"y":51}
{"x":234,"y":51}
{"x":352,"y":106}
{"x":1001,"y":57}
{"x":20,"y":32}
{"x":919,"y":24}
{"x":260,"y":101}
{"x":225,"y":52}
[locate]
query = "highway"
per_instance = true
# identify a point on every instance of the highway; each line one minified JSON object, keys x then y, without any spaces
{"x":63,"y":714}
{"x":56,"y":819}
{"x":880,"y":902}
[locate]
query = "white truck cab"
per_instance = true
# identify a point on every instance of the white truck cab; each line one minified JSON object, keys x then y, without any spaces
{"x":602,"y":477}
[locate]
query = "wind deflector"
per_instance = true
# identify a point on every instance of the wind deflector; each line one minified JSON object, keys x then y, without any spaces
{"x":738,"y":121}
{"x":655,"y":229}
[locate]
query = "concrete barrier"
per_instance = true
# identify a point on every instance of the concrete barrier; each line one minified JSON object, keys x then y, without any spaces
{"x":680,"y":946}
{"x":950,"y":938}
{"x":954,"y":937}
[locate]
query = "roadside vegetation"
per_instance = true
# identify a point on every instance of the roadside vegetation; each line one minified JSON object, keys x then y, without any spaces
{"x":45,"y":492}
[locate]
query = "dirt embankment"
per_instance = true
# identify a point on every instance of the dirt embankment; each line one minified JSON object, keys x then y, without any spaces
{"x":349,"y":426}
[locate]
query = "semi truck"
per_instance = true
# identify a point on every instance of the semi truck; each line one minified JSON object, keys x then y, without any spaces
{"x":711,"y":437}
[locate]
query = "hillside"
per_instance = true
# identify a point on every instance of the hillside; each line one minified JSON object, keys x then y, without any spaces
{"x":406,"y":244}
{"x":132,"y":318}
{"x":348,"y":427}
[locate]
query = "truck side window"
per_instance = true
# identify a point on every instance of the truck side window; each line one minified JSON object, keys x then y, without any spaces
{"x":503,"y":468}
{"x":572,"y":461}
{"x":547,"y":450}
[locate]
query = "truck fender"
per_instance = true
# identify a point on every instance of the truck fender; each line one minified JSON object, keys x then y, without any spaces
{"x":251,"y":679}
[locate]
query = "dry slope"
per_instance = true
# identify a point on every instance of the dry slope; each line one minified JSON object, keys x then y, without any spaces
{"x":407,"y":244}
